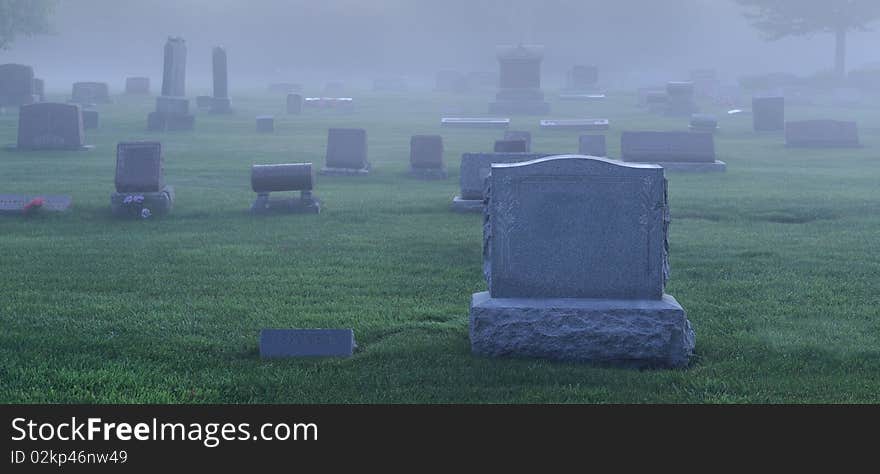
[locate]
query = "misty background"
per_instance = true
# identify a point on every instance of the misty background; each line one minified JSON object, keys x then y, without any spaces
{"x":634,"y":42}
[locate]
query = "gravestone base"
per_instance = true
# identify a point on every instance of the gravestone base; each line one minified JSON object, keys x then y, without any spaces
{"x":159,"y":122}
{"x":524,"y":107}
{"x":330,"y":171}
{"x":695,"y":167}
{"x":631,"y":333}
{"x":159,"y":203}
{"x":290,"y":205}
{"x":427,"y":173}
{"x":221,"y":105}
{"x":462,"y":205}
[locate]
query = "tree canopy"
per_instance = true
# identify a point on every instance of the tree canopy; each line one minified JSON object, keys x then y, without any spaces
{"x":777,"y":19}
{"x":23,"y":17}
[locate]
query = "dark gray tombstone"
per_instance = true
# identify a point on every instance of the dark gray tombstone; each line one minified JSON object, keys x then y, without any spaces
{"x":675,"y":151}
{"x":172,"y":107}
{"x":50,"y":126}
{"x":90,"y":119}
{"x":280,"y":343}
{"x":174,"y":72}
{"x":16,"y":85}
{"x":87,"y":93}
{"x":575,"y":258}
{"x":346,"y":152}
{"x":520,"y":135}
{"x":511,"y":146}
{"x":822,"y":134}
{"x":294,"y":104}
{"x":221,"y":103}
{"x":474,"y":169}
{"x":141,"y":191}
{"x":520,"y":81}
{"x":592,"y":145}
{"x":137,"y":85}
{"x":703,"y":123}
{"x":265,"y":124}
{"x":680,"y":99}
{"x":768,"y":113}
{"x":266,"y":179}
{"x":426,"y":157}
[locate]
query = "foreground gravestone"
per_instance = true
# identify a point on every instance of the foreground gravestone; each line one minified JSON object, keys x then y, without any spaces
{"x":576,"y":124}
{"x":592,"y":145}
{"x":768,"y":113}
{"x":39,"y":90}
{"x":220,"y":103}
{"x":266,"y":179}
{"x":475,"y":122}
{"x":16,"y":85}
{"x":821,"y":134}
{"x":474,"y":169}
{"x":88,"y":93}
{"x":675,"y":151}
{"x":294,"y":104}
{"x":137,"y":85}
{"x":680,"y":99}
{"x":172,"y":107}
{"x":426,"y":157}
{"x":140,"y":181}
{"x":51,"y":126}
{"x":515,"y":145}
{"x":277,"y":343}
{"x":23,"y":204}
{"x":703,"y":123}
{"x":520,"y":135}
{"x":265,"y":123}
{"x":90,"y":119}
{"x":346,"y":152}
{"x":575,"y":257}
{"x":519,"y":81}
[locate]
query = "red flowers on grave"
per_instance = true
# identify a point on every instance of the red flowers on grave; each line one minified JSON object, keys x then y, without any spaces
{"x":32,"y":205}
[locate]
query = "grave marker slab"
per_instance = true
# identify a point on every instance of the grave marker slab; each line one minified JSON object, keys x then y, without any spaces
{"x":90,"y":119}
{"x":426,"y":157}
{"x":821,"y":134}
{"x":220,"y":103}
{"x":277,"y":343}
{"x":51,"y":126}
{"x":25,"y":204}
{"x":703,"y":123}
{"x":346,"y":152}
{"x":16,"y":85}
{"x":88,"y":93}
{"x":266,"y":179}
{"x":675,"y":151}
{"x":294,"y":104}
{"x":520,"y":135}
{"x":474,"y":169}
{"x":768,"y":113}
{"x":592,"y":145}
{"x":519,"y":82}
{"x":266,"y":124}
{"x":141,"y":191}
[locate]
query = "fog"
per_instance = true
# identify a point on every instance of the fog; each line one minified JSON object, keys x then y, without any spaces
{"x":634,"y":42}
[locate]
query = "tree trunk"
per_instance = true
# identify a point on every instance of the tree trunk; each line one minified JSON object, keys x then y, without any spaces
{"x":840,"y":54}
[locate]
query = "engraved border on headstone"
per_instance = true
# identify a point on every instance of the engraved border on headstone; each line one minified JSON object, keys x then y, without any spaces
{"x":281,"y":343}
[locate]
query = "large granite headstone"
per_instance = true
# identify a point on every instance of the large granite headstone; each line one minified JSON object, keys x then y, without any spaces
{"x":346,"y":152}
{"x":172,"y":107}
{"x":86,"y":93}
{"x":519,"y":89}
{"x":16,"y":85}
{"x":821,"y":134}
{"x":220,"y":103}
{"x":50,"y":126}
{"x":140,"y":181}
{"x":474,"y":169}
{"x":266,"y":179}
{"x":426,"y":157}
{"x":675,"y":151}
{"x":575,"y":258}
{"x":768,"y":113}
{"x":137,"y":85}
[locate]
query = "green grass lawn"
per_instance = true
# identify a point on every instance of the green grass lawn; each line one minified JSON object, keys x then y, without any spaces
{"x":776,"y":262}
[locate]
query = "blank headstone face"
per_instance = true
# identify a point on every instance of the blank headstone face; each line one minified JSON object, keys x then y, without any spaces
{"x":592,"y":145}
{"x":510,"y":146}
{"x":520,"y":135}
{"x":139,"y":167}
{"x":576,"y":227}
{"x":294,"y":103}
{"x":672,"y":147}
{"x":426,"y":151}
{"x":347,"y":148}
{"x":768,"y":114}
{"x":50,"y":126}
{"x":821,"y":134}
{"x":16,"y":84}
{"x":283,"y":177}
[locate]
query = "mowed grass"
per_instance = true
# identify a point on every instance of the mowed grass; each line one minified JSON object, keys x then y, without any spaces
{"x":776,"y":262}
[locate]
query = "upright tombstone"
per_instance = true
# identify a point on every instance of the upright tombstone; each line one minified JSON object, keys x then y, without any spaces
{"x":172,"y":107}
{"x":294,"y":104}
{"x":90,"y":119}
{"x":513,"y":145}
{"x":656,"y":101}
{"x":267,"y":179}
{"x":520,"y":81}
{"x":575,"y":258}
{"x":680,"y":99}
{"x":768,"y":113}
{"x":266,"y":124}
{"x":582,"y":78}
{"x":703,"y":123}
{"x":140,"y":181}
{"x":675,"y":151}
{"x":39,"y":90}
{"x":426,"y":157}
{"x":220,"y":103}
{"x":87,"y":93}
{"x":592,"y":145}
{"x":346,"y":152}
{"x":474,"y":169}
{"x":16,"y":85}
{"x":520,"y":135}
{"x":137,"y":85}
{"x":821,"y":134}
{"x":51,"y":126}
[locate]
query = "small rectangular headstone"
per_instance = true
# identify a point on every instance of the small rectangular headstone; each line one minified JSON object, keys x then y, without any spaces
{"x":90,"y":119}
{"x":266,"y":123}
{"x":475,"y":168}
{"x":16,"y":85}
{"x":90,"y":93}
{"x":140,"y":167}
{"x":294,"y":104}
{"x":347,"y":148}
{"x":50,"y":126}
{"x":426,"y":152}
{"x":822,"y":134}
{"x":510,"y":146}
{"x":279,"y":343}
{"x":592,"y":145}
{"x":768,"y":114}
{"x":520,"y":135}
{"x":674,"y":147}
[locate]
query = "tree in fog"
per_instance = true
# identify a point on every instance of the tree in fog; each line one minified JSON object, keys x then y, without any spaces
{"x":778,"y":19}
{"x":23,"y":17}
